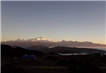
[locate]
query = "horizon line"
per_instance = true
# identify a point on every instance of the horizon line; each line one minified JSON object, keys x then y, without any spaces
{"x":56,"y":40}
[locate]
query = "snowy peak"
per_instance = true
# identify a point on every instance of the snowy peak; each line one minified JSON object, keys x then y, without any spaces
{"x":19,"y":39}
{"x":39,"y":39}
{"x":43,"y":39}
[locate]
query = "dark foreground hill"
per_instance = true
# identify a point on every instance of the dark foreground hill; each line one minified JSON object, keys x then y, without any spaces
{"x":47,"y":63}
{"x":38,"y":50}
{"x":17,"y":51}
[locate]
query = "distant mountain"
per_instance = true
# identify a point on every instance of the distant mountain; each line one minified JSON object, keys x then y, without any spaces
{"x":39,"y":48}
{"x":63,"y":49}
{"x":47,"y":42}
{"x":39,"y":39}
{"x":20,"y":40}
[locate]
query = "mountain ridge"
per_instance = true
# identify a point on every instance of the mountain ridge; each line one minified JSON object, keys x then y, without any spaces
{"x":47,"y":42}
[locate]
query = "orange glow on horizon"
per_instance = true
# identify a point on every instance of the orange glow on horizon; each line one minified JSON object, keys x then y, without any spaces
{"x":102,"y":42}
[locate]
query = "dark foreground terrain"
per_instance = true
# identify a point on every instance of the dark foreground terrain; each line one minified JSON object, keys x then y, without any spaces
{"x":11,"y":62}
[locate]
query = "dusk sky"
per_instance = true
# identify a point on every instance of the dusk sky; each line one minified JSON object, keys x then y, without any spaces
{"x":55,"y":20}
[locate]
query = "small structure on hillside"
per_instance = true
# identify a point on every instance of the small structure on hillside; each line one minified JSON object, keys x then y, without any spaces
{"x":30,"y":57}
{"x":25,"y":57}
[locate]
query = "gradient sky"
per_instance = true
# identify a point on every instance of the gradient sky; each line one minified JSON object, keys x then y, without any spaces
{"x":55,"y":20}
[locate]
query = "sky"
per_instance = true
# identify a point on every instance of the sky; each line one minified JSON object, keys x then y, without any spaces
{"x":55,"y":20}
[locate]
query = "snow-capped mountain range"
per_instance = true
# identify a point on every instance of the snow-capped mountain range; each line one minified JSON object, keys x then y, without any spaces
{"x":47,"y":42}
{"x":42,"y":39}
{"x":38,"y":39}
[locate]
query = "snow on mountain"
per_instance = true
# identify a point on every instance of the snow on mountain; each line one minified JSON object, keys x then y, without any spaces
{"x":48,"y":42}
{"x":20,"y":39}
{"x":40,"y":39}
